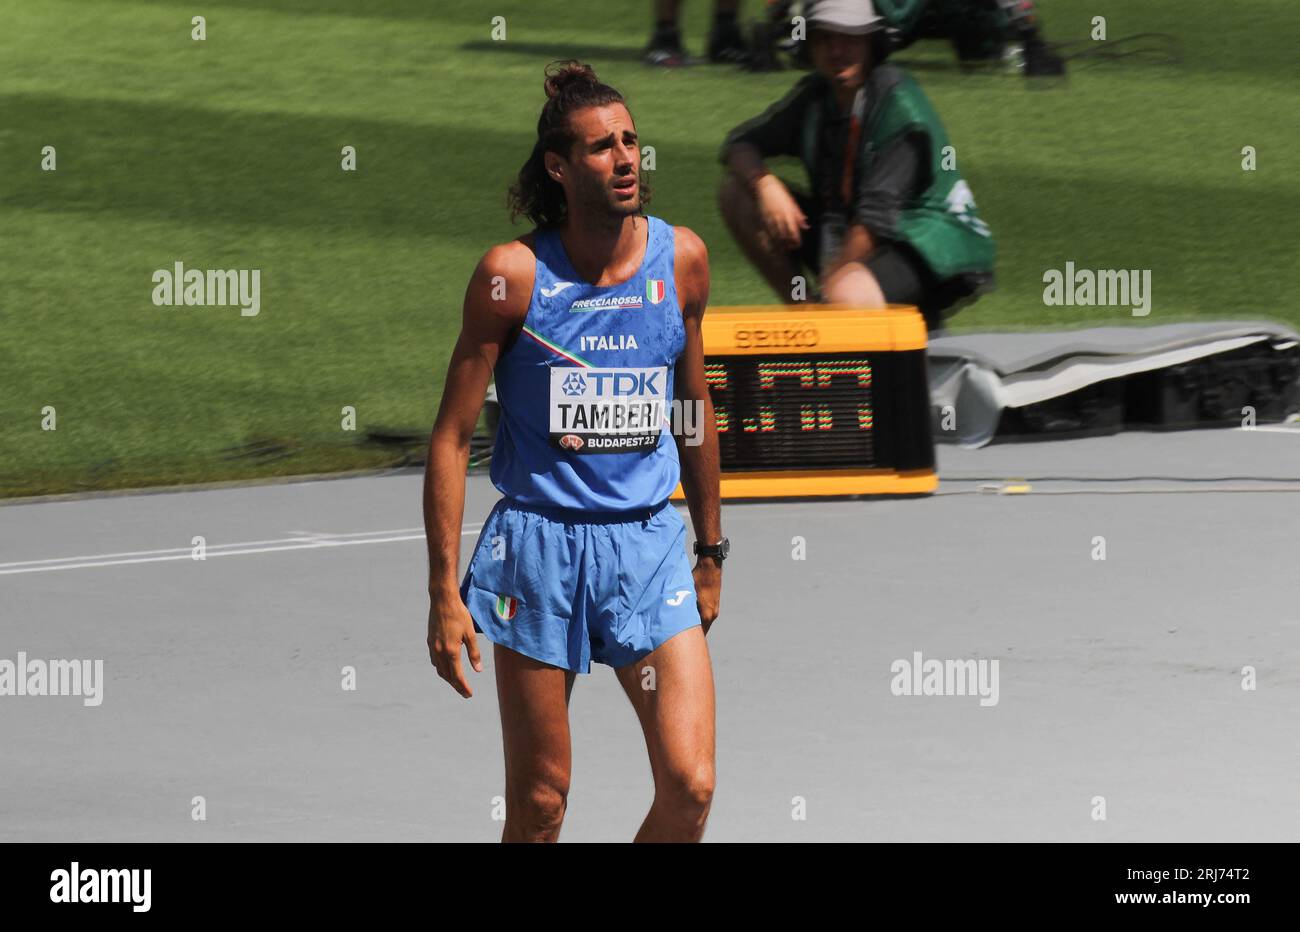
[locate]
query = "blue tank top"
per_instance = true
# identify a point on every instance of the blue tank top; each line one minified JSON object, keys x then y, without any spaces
{"x":586,"y":389}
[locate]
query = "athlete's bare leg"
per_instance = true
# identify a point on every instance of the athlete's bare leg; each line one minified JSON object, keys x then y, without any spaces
{"x":677,"y":718}
{"x":534,"y":700}
{"x":740,"y":211}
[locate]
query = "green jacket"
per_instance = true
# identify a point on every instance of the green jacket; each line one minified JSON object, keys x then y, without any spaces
{"x":902,"y":15}
{"x":938,"y":218}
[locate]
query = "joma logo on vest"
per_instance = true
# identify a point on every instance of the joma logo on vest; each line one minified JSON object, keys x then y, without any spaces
{"x":202,"y":287}
{"x":798,"y":335}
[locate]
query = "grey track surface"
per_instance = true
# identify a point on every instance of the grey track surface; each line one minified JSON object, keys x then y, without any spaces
{"x":1118,"y":678}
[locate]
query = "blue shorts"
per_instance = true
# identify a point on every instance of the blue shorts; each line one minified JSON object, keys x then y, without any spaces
{"x":567,"y":587}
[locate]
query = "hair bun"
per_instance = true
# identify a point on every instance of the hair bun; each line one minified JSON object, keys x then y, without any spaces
{"x":562,"y":75}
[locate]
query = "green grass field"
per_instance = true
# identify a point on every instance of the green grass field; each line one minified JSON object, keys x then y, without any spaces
{"x":225,"y":154}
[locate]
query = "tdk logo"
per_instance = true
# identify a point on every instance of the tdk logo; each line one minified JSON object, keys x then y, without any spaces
{"x":574,"y":384}
{"x":626,"y":382}
{"x":613,"y":383}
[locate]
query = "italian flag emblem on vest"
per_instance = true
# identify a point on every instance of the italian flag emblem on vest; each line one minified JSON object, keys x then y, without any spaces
{"x":654,"y":290}
{"x":506,"y":607}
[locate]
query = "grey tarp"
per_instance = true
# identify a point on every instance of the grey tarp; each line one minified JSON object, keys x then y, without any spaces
{"x":980,"y":374}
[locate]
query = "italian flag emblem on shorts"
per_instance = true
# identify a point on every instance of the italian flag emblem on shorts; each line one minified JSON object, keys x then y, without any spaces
{"x":654,"y":290}
{"x":506,"y":607}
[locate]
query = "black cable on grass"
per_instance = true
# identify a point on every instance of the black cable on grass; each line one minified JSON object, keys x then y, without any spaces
{"x":1164,"y":50}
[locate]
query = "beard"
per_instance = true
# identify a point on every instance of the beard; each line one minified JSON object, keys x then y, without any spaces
{"x":599,"y":200}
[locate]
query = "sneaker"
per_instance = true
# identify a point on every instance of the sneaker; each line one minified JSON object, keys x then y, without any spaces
{"x":727,"y":47}
{"x":665,"y":50}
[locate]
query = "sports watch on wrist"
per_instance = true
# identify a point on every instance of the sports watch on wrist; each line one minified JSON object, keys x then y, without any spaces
{"x":718,"y":550}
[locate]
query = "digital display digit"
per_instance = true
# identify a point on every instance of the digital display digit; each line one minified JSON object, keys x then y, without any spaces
{"x":794,"y":411}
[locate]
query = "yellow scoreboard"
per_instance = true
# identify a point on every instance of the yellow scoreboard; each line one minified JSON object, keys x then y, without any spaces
{"x":819,"y":401}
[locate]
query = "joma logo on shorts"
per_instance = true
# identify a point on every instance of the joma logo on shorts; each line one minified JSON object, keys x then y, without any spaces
{"x":799,"y":335}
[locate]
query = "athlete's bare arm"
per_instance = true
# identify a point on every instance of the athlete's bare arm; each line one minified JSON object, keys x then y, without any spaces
{"x":496,"y":303}
{"x":700,"y":473}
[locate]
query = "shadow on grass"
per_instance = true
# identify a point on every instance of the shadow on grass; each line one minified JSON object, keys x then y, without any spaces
{"x":275,"y":170}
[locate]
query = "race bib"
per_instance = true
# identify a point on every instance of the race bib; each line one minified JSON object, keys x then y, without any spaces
{"x":611,"y":410}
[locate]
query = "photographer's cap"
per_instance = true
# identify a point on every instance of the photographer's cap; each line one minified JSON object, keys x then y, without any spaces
{"x":851,"y":17}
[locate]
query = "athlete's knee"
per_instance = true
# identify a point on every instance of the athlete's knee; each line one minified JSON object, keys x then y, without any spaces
{"x":690,"y":789}
{"x":538,"y":811}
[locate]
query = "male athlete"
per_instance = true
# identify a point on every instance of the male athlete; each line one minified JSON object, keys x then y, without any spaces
{"x":591,"y":324}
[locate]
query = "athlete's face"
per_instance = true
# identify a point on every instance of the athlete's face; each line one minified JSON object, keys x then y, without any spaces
{"x":841,"y":59}
{"x":602,"y":170}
